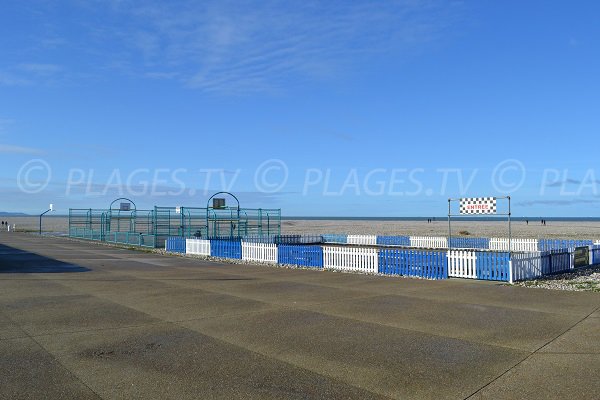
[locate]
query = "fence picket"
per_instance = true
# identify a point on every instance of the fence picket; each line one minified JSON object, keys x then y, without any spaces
{"x":362,"y":239}
{"x":350,"y":259}
{"x":260,"y":252}
{"x":226,"y":248}
{"x":197,"y":246}
{"x":429,"y":242}
{"x":175,"y":244}
{"x":462,"y":264}
{"x":421,"y":263}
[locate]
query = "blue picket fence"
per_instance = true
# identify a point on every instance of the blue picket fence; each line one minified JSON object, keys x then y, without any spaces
{"x":469,"y":243}
{"x":175,"y":244}
{"x":558,"y":244}
{"x":226,"y":249}
{"x":556,"y":261}
{"x":334,"y":238}
{"x":298,"y":239}
{"x":595,"y":254}
{"x":393,"y":240}
{"x":304,"y":256}
{"x":491,"y":266}
{"x":420,"y":263}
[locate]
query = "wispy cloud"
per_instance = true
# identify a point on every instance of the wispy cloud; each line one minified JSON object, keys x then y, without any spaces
{"x":570,"y":181}
{"x":4,"y":122}
{"x":10,"y":79}
{"x":564,"y":202}
{"x":40,"y":69}
{"x":236,"y":46}
{"x":27,"y":74}
{"x":563,"y":182}
{"x":11,"y":149}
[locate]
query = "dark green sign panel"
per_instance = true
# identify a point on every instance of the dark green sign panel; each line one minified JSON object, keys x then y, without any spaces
{"x":582,"y":257}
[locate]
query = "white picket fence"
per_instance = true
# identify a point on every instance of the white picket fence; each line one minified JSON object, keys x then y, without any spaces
{"x":429,"y":242}
{"x":362,"y":239}
{"x":197,"y":246}
{"x":502,"y":244}
{"x":536,"y":264}
{"x":261,"y":252}
{"x":526,"y":265}
{"x":461,"y":264}
{"x":350,"y":259}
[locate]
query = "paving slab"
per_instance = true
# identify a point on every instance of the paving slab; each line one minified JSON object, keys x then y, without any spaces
{"x":27,"y":371}
{"x":548,"y":376}
{"x":489,"y":293}
{"x":45,"y":315}
{"x":519,"y":329}
{"x":166,"y":361}
{"x":9,"y":330}
{"x":171,"y":303}
{"x":283,"y":293}
{"x":582,"y":338}
{"x":30,"y":286}
{"x":389,"y":361}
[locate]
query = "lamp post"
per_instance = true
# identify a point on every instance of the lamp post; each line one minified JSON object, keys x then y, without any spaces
{"x":44,"y":213}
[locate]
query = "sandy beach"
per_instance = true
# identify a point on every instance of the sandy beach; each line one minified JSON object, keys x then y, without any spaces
{"x":553,"y":229}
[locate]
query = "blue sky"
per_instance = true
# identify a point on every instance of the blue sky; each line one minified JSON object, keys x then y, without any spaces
{"x":318,"y":108}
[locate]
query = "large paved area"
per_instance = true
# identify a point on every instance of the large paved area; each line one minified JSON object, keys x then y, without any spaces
{"x":80,"y":321}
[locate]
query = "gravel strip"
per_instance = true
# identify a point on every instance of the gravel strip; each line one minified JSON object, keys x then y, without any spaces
{"x":581,"y":280}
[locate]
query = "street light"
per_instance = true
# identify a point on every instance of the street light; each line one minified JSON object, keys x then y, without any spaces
{"x":44,"y":213}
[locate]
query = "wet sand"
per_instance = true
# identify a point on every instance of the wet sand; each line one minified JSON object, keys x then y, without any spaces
{"x":558,"y":229}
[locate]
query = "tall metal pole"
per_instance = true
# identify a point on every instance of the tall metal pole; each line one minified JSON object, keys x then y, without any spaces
{"x":509,"y":231}
{"x":41,"y":215}
{"x":449,"y":223}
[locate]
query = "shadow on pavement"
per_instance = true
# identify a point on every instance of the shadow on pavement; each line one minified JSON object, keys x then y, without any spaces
{"x":13,"y":260}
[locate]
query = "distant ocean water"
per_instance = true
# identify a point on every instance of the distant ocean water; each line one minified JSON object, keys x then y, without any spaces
{"x":530,"y":219}
{"x":443,"y":218}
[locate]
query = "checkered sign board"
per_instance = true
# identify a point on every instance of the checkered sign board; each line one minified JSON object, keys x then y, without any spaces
{"x":478,"y":205}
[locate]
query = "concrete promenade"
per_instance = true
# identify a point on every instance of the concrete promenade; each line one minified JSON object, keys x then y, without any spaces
{"x":80,"y":320}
